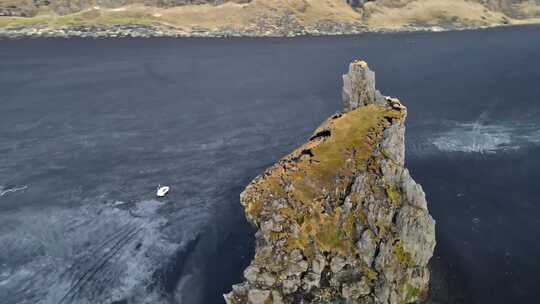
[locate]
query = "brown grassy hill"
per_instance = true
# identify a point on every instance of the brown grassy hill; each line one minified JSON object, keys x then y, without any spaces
{"x":269,"y":16}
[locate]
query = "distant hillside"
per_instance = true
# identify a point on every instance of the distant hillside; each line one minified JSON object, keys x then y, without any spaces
{"x":261,"y":17}
{"x":28,"y":8}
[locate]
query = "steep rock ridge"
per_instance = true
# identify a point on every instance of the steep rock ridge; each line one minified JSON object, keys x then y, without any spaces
{"x":340,"y":220}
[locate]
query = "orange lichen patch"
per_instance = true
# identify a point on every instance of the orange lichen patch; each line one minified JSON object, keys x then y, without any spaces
{"x":325,"y":231}
{"x":318,"y":175}
{"x":350,"y":225}
{"x":394,"y":195}
{"x":361,"y":63}
{"x":403,"y":257}
{"x":370,"y":274}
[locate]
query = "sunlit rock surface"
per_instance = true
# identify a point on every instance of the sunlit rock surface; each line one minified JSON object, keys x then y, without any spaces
{"x":340,"y":220}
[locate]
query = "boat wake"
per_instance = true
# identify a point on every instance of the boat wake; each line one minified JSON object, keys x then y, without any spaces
{"x":487,"y":138}
{"x":84,"y":255}
{"x":11,"y":190}
{"x":475,"y":138}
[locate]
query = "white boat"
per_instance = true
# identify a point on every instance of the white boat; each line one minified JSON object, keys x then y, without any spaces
{"x":162,"y":191}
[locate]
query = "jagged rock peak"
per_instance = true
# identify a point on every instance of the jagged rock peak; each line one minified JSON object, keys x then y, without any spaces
{"x":340,"y":220}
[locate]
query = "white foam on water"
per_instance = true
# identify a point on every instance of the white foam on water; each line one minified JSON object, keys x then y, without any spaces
{"x":532,"y":137}
{"x":90,"y":254}
{"x":473,"y":137}
{"x":487,"y":138}
{"x":12,"y":190}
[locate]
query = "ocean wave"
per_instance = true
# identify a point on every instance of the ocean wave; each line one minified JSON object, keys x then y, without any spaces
{"x":486,"y":138}
{"x":91,"y":254}
{"x":5,"y":191}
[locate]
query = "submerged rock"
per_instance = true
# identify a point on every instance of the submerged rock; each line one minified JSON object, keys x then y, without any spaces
{"x":340,"y":220}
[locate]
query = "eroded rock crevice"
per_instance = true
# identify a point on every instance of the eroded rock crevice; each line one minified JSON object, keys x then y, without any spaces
{"x":340,"y":220}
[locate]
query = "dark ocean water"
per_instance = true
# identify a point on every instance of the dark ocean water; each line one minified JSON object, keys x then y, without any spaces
{"x":89,"y":128}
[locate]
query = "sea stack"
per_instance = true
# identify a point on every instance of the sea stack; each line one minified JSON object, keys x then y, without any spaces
{"x":340,"y":220}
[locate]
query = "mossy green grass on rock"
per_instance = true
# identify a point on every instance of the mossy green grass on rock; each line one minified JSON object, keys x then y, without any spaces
{"x":319,"y":173}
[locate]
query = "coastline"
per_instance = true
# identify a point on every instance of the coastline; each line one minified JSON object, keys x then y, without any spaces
{"x":144,"y":31}
{"x":55,"y":70}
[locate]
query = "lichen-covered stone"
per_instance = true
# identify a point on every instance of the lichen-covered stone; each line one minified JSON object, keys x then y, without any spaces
{"x":367,"y":247}
{"x":356,"y":290}
{"x":340,"y":220}
{"x":358,"y":86}
{"x":258,"y":296}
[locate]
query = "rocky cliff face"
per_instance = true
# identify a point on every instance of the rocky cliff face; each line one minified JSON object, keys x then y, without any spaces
{"x":340,"y":220}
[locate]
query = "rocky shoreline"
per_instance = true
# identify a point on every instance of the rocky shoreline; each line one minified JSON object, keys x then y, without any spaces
{"x":254,"y":18}
{"x":140,"y":31}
